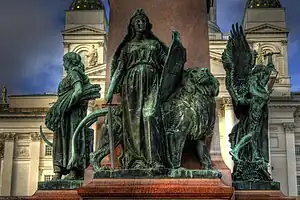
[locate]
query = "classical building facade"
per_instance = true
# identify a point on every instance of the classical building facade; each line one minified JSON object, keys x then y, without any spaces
{"x":26,"y":159}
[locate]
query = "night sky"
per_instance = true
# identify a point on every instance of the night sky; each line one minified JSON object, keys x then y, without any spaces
{"x":31,"y":48}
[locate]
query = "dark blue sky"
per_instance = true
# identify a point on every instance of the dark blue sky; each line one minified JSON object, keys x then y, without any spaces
{"x":31,"y":47}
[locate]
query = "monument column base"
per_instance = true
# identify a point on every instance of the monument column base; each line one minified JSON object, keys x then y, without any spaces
{"x":119,"y":188}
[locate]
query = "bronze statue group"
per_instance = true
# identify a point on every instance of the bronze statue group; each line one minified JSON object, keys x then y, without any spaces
{"x":164,"y":108}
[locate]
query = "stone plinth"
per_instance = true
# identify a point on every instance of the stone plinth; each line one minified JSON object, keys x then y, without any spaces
{"x":262,"y":185}
{"x":54,"y":194}
{"x":157,"y":173}
{"x":258,"y":190}
{"x":156,"y":189}
{"x":260,"y":195}
{"x":189,"y":17}
{"x":59,"y":189}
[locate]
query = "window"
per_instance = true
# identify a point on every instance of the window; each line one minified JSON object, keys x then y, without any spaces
{"x":297,"y":150}
{"x":48,"y":177}
{"x":48,"y":150}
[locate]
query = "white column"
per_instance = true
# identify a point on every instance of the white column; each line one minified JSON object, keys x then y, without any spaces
{"x":289,"y":129}
{"x":215,"y":149}
{"x":222,"y":132}
{"x":285,"y":57}
{"x":34,"y":162}
{"x":90,"y":109}
{"x":229,"y":123}
{"x":100,"y":50}
{"x":6,"y":178}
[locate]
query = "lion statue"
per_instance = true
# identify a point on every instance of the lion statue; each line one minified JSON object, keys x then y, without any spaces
{"x":188,"y":118}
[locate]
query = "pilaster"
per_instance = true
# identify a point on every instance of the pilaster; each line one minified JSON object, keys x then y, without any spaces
{"x":6,"y":178}
{"x":215,"y":149}
{"x":34,"y":162}
{"x":229,"y":123}
{"x":289,"y":129}
{"x":284,"y":49}
{"x":101,"y":52}
{"x":91,"y":108}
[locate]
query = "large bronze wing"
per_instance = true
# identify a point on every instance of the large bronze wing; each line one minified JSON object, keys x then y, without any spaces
{"x":238,"y":60}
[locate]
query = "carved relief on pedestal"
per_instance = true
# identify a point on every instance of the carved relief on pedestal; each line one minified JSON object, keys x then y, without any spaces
{"x":21,"y":151}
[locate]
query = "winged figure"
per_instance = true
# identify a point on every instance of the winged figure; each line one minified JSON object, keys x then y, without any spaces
{"x":247,"y":84}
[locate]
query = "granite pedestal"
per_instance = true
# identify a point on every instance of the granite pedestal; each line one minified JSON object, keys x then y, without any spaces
{"x":110,"y":188}
{"x":156,"y":184}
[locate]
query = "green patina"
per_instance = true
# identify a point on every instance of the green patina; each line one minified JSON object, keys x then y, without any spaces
{"x":165,"y":109}
{"x":247,"y":85}
{"x":74,"y":92}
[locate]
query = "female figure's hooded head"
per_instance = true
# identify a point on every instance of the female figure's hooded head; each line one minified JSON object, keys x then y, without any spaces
{"x":131,"y":34}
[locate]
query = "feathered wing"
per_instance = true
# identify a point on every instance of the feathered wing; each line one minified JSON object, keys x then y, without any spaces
{"x":237,"y":61}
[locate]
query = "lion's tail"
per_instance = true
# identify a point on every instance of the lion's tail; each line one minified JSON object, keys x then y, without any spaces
{"x":86,"y":122}
{"x":43,"y":136}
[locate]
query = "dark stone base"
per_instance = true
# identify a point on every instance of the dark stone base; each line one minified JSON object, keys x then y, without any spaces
{"x":262,"y":185}
{"x":260,"y":195}
{"x":60,"y":185}
{"x":158,"y":173}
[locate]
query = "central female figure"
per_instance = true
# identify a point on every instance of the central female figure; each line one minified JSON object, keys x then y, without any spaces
{"x":135,"y":74}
